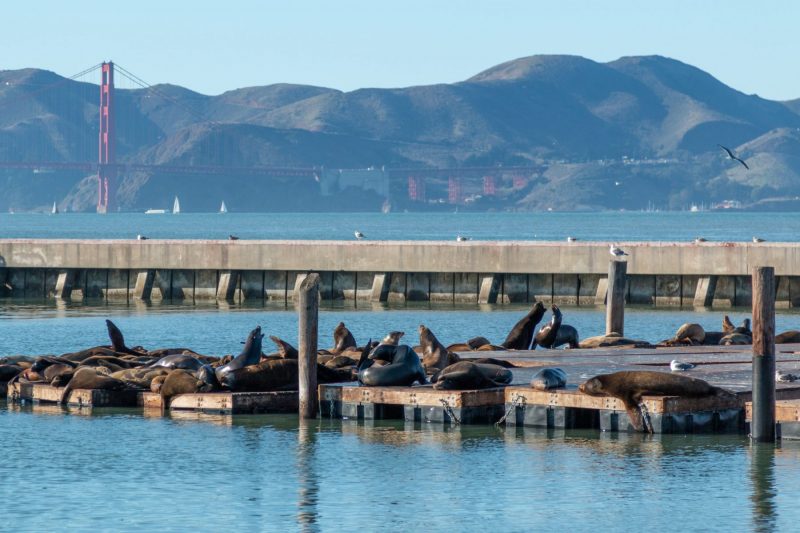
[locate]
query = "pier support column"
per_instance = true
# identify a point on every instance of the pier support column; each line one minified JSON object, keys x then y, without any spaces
{"x":64,"y":282}
{"x":704,"y":294}
{"x":490,"y":287}
{"x":144,"y":284}
{"x":602,"y":292}
{"x":380,"y":286}
{"x":228,"y":283}
{"x":615,"y":308}
{"x":783,"y":298}
{"x":5,"y":286}
{"x":762,"y":428}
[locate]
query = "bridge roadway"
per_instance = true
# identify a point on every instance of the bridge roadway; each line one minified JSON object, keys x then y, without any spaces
{"x":707,"y":274}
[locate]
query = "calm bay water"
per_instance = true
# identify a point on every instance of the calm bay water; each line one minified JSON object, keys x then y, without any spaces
{"x":603,"y":226}
{"x":119,"y":470}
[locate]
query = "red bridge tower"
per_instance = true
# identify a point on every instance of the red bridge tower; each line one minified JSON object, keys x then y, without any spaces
{"x":106,"y":168}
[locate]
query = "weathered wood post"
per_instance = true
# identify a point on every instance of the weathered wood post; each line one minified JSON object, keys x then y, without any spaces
{"x":307,"y":299}
{"x":762,"y":427}
{"x":615,"y":299}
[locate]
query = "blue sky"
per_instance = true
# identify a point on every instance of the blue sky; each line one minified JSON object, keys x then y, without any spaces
{"x":212,"y":47}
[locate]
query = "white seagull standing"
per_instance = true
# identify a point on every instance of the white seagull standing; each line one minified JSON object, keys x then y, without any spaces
{"x":358,"y":235}
{"x":616,"y":251}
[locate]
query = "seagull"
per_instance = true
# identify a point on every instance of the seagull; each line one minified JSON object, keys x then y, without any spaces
{"x":571,"y":239}
{"x":616,"y":251}
{"x":758,"y":239}
{"x":730,"y":154}
{"x":461,"y":238}
{"x":677,"y":366}
{"x":698,"y":240}
{"x":141,"y":238}
{"x":358,"y":235}
{"x":233,"y":238}
{"x":785,"y":377}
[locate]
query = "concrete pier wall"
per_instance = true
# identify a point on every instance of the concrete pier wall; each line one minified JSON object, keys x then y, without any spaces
{"x":660,"y":274}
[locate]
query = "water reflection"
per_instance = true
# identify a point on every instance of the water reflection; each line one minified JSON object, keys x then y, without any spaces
{"x":762,"y":478}
{"x":308,"y":493}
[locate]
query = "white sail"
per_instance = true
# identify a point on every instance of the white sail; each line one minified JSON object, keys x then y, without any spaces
{"x":55,"y":209}
{"x":222,"y":208}
{"x":176,"y":206}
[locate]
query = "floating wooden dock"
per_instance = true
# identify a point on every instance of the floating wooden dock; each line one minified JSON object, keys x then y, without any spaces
{"x":413,"y":404}
{"x":787,"y":418}
{"x":569,"y":409}
{"x":229,"y":403}
{"x":44,"y":393}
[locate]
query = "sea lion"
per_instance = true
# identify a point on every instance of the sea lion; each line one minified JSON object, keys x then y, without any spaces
{"x":285,"y":350}
{"x":175,"y":361}
{"x":732,"y":339}
{"x":549,"y":378}
{"x":466,"y":375}
{"x":477,"y":342}
{"x":630,"y":386}
{"x":157,"y":382}
{"x":181,"y":381}
{"x":492,"y":361}
{"x":689,"y":333}
{"x":788,"y":337}
{"x":44,"y":361}
{"x":434,"y":354}
{"x":88,"y":378}
{"x":117,"y":340}
{"x":342,"y":339}
{"x":404,"y":366}
{"x":107,"y":360}
{"x":142,"y":377}
{"x":79,"y":356}
{"x":613,"y":340}
{"x":521,"y":335}
{"x":277,"y":374}
{"x":251,"y":355}
{"x":57,"y":369}
{"x":566,"y":335}
{"x":547,"y":334}
{"x":727,"y":325}
{"x":8,"y":372}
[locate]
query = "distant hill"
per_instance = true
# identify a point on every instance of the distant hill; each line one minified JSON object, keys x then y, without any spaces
{"x":626,"y":134}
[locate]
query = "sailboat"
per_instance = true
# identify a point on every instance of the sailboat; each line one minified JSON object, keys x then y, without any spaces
{"x":54,"y":211}
{"x":222,"y":208}
{"x":176,"y":206}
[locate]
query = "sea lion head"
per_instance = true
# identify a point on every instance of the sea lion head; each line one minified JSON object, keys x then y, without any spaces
{"x":207,"y":375}
{"x":393,"y":338}
{"x":255,"y":336}
{"x":383,"y":352}
{"x":40,"y":364}
{"x":592,"y":387}
{"x":424,"y":333}
{"x":538,"y":307}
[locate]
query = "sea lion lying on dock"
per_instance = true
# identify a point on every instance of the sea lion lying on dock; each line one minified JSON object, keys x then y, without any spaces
{"x":466,"y":375}
{"x":277,"y":375}
{"x":404,"y":366}
{"x":434,"y":354}
{"x":788,"y":337}
{"x":567,"y":335}
{"x":613,"y":340}
{"x":181,"y":381}
{"x":630,"y":386}
{"x":141,"y":377}
{"x":690,"y":334}
{"x":549,"y":378}
{"x":8,"y":372}
{"x":521,"y":335}
{"x":88,"y":378}
{"x":182,"y":361}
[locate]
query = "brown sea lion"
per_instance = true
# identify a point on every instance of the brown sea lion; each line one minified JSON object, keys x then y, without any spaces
{"x":466,"y":375}
{"x":404,"y":367}
{"x":285,"y":350}
{"x":343,"y":339}
{"x":157,"y":382}
{"x":44,"y":361}
{"x":141,"y":378}
{"x":89,"y":352}
{"x":58,"y":369}
{"x":251,"y":355}
{"x":613,"y":340}
{"x":492,"y":361}
{"x":788,"y":337}
{"x":434,"y":354}
{"x":727,"y":325}
{"x":736,"y":339}
{"x":547,"y":334}
{"x":393,"y":338}
{"x":630,"y":386}
{"x":182,"y":382}
{"x":184,"y":361}
{"x":107,"y":360}
{"x":689,"y":333}
{"x":521,"y":335}
{"x":477,"y":342}
{"x":88,"y":378}
{"x":340,"y":361}
{"x":277,"y":374}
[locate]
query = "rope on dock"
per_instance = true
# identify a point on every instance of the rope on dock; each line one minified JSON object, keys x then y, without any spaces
{"x":516,"y":401}
{"x":449,"y":411}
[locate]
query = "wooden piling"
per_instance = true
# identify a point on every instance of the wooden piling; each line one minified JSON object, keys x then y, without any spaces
{"x":615,"y":301}
{"x":307,"y":298}
{"x":762,"y":428}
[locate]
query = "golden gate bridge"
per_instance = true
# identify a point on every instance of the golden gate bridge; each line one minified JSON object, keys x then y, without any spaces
{"x":108,"y":169}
